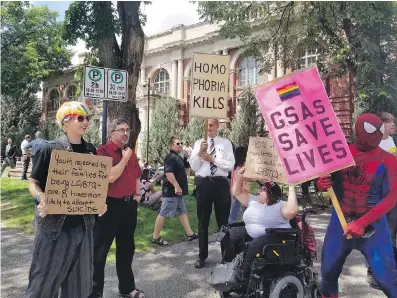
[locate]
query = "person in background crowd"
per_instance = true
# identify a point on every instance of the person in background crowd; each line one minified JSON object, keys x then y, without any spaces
{"x":211,"y":160}
{"x":121,"y":218}
{"x":148,"y":193}
{"x":25,"y":157}
{"x":187,"y":151}
{"x":35,"y":145}
{"x":387,"y":143}
{"x":63,"y":245}
{"x":174,"y":187}
{"x":9,"y":159}
{"x":240,"y":154}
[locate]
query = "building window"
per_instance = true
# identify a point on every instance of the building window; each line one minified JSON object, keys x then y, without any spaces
{"x":162,"y":82}
{"x":54,"y":100}
{"x":72,"y":93}
{"x":249,"y":72}
{"x":308,"y":58}
{"x":96,"y":101}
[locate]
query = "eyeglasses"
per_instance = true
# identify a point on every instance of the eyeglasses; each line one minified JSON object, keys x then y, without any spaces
{"x":123,"y":130}
{"x":81,"y":118}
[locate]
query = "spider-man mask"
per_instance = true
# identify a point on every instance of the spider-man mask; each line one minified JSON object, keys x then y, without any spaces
{"x":369,"y":131}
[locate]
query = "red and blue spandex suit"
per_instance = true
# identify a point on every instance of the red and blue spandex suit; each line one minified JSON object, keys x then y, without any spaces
{"x":366,"y":192}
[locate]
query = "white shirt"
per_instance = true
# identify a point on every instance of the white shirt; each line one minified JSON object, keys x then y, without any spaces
{"x":258,"y":217}
{"x":23,"y":146}
{"x":224,"y":159}
{"x":387,"y":144}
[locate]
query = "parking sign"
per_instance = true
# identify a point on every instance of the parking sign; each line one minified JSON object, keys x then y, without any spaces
{"x":117,"y":85}
{"x":94,"y":82}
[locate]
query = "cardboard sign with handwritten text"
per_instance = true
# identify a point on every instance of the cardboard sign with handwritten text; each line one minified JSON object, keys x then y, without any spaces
{"x":263,"y":162}
{"x":77,"y":183}
{"x":209,"y":85}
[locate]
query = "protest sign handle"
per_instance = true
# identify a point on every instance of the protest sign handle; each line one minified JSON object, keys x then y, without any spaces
{"x":206,"y":129}
{"x":338,"y":210}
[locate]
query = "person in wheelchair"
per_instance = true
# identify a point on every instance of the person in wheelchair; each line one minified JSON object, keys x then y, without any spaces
{"x":265,"y":210}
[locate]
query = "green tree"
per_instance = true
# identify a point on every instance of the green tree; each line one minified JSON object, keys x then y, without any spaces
{"x":194,"y":130}
{"x":19,"y":116}
{"x":354,"y":37}
{"x":248,"y":121}
{"x":98,"y":23}
{"x":165,"y":124}
{"x":31,"y":50}
{"x":51,"y":130}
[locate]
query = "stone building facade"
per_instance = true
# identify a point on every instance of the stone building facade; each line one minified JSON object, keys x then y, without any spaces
{"x":167,"y":63}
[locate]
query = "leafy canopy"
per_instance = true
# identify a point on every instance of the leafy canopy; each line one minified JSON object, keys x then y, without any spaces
{"x":349,"y":36}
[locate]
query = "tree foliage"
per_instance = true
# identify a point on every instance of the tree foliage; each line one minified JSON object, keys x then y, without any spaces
{"x":98,"y":23}
{"x":248,"y":121}
{"x":164,"y":125}
{"x":194,"y":130}
{"x":19,"y":116}
{"x":31,"y":50}
{"x":354,"y":37}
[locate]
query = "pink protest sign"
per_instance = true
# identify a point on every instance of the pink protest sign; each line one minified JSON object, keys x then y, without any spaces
{"x":303,"y":125}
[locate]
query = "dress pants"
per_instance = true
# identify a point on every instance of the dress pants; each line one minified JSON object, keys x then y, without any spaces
{"x":26,"y":161}
{"x":63,"y":265}
{"x":211,"y":190}
{"x":118,"y":222}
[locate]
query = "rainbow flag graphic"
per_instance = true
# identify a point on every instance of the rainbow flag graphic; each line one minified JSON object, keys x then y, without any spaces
{"x":288,"y":91}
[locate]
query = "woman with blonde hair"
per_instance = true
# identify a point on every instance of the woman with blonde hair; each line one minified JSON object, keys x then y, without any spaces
{"x":63,"y":246}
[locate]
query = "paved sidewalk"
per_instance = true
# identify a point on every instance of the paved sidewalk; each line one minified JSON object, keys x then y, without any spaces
{"x":167,"y":272}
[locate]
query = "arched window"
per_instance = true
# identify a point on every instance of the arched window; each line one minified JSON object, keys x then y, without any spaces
{"x":249,"y":72}
{"x":162,"y":82}
{"x":72,"y":93}
{"x":54,"y":100}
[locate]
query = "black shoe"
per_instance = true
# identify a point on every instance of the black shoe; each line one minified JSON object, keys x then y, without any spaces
{"x":24,"y":178}
{"x":371,"y":281}
{"x":200,"y":263}
{"x":192,"y":237}
{"x":9,"y":176}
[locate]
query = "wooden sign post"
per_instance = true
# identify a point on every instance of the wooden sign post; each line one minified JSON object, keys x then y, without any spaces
{"x":77,"y":183}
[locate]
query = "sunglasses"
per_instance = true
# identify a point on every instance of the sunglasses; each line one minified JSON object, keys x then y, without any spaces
{"x":123,"y":130}
{"x":81,"y":118}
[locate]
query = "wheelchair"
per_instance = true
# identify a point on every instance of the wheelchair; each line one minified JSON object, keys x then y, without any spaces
{"x":283,"y":269}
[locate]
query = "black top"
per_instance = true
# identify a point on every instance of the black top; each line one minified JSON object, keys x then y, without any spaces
{"x":173,"y":163}
{"x":40,"y":173}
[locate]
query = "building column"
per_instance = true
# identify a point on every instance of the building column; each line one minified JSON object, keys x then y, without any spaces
{"x":180,"y":80}
{"x":143,"y":75}
{"x":174,"y":78}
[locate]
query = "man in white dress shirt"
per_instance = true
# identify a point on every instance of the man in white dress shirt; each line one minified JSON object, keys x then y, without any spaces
{"x":211,"y":160}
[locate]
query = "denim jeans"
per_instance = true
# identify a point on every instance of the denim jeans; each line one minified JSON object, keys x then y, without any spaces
{"x":235,"y":209}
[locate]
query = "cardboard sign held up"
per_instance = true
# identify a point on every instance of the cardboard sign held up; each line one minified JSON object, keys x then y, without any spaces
{"x":262,"y":161}
{"x":77,"y":183}
{"x":209,"y":85}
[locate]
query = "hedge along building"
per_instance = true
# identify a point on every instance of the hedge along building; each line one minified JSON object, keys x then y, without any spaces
{"x":167,"y":63}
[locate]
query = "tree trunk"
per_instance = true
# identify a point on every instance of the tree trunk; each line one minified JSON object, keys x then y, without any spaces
{"x":132,"y":46}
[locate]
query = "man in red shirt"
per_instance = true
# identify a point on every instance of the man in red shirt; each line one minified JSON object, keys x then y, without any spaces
{"x":121,"y":217}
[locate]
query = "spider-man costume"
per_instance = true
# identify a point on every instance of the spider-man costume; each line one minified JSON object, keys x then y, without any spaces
{"x":366,"y":192}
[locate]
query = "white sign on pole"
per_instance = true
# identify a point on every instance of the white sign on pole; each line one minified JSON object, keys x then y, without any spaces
{"x":117,"y":85}
{"x":94,"y":82}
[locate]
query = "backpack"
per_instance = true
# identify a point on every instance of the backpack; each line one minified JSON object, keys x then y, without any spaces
{"x":306,"y":239}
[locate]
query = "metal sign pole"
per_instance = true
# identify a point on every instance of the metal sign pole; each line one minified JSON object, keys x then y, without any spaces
{"x":104,"y":121}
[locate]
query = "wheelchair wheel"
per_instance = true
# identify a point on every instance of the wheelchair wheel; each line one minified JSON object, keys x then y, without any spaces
{"x":288,"y":286}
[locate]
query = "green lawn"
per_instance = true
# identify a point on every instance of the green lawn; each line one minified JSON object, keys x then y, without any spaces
{"x":17,"y":210}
